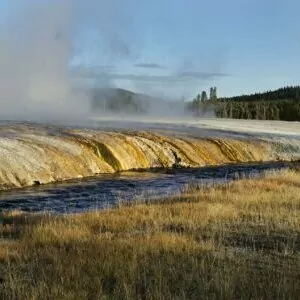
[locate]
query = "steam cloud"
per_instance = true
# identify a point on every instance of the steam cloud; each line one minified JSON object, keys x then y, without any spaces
{"x":36,"y":49}
{"x":38,"y":46}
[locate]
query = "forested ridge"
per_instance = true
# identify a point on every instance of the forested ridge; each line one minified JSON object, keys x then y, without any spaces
{"x":285,"y":93}
{"x":281,"y":104}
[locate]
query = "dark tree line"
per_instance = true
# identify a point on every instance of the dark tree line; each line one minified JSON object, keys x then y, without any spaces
{"x":202,"y":105}
{"x":281,"y":104}
{"x":286,"y":93}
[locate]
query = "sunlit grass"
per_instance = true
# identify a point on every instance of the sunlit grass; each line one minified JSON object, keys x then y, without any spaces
{"x":236,"y":241}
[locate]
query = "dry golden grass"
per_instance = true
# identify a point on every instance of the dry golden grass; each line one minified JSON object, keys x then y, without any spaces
{"x":239,"y":241}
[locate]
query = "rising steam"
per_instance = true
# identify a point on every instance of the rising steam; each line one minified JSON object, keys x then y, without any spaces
{"x":35,"y":53}
{"x":37,"y":47}
{"x":41,"y":41}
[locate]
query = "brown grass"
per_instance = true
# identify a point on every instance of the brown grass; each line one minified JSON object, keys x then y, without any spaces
{"x":240,"y":241}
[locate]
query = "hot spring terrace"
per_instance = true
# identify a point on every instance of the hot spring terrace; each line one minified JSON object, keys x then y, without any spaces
{"x":34,"y":153}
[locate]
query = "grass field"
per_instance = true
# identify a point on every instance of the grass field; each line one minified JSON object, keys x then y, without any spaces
{"x":239,"y":241}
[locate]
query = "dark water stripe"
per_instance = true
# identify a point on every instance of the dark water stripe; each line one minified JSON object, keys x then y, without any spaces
{"x":107,"y":191}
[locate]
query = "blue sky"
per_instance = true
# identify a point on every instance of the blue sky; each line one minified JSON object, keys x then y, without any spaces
{"x":179,"y":47}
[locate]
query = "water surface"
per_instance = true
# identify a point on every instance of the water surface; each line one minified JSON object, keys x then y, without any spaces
{"x":108,"y":190}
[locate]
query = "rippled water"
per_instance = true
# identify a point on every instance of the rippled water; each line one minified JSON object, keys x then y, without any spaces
{"x":108,"y":190}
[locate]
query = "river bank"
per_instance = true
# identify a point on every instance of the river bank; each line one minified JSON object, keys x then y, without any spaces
{"x":234,"y":241}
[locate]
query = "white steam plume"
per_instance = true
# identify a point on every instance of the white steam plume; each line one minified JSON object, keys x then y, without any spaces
{"x":36,"y":48}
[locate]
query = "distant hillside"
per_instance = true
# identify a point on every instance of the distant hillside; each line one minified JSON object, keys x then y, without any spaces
{"x":281,"y":104}
{"x":118,"y":100}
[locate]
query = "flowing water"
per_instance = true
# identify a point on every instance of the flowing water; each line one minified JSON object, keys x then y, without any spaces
{"x":108,"y":190}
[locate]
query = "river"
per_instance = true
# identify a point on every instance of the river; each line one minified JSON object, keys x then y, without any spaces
{"x":106,"y":191}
